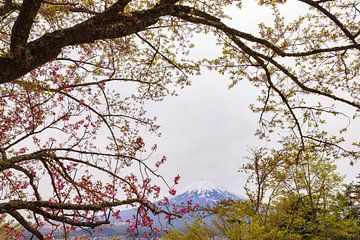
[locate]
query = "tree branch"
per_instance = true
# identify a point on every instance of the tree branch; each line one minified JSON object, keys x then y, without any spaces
{"x":102,"y":26}
{"x":8,"y":7}
{"x":200,"y":17}
{"x":21,"y":29}
{"x":333,"y":18}
{"x":25,"y":224}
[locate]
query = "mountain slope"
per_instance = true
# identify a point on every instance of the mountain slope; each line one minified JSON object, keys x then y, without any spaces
{"x":203,"y":193}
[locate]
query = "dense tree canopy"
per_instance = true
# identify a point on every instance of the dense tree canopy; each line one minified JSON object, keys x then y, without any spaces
{"x":74,"y":76}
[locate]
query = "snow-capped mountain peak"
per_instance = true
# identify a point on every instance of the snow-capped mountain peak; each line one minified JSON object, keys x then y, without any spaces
{"x":200,"y":187}
{"x":204,"y":193}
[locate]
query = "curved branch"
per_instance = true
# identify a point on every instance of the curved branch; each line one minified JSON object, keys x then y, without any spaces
{"x":25,"y":224}
{"x":199,"y":17}
{"x":107,"y":25}
{"x":333,"y":18}
{"x":253,"y":54}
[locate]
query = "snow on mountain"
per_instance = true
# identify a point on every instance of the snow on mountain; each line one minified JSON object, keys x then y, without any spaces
{"x":200,"y":187}
{"x":203,"y":193}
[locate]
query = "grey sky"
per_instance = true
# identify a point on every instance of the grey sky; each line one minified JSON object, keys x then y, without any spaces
{"x":206,"y":131}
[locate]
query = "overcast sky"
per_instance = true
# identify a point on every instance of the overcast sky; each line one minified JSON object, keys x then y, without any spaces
{"x":207,"y":130}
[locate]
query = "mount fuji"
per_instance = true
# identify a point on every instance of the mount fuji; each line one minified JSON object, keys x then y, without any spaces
{"x":204,"y":193}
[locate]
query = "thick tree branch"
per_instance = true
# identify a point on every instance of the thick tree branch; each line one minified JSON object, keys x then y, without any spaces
{"x":10,"y":162}
{"x":31,"y":205}
{"x":61,"y":218}
{"x":103,"y":26}
{"x":21,"y":29}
